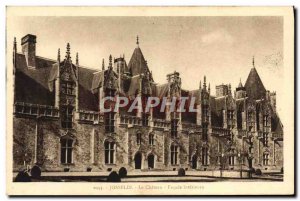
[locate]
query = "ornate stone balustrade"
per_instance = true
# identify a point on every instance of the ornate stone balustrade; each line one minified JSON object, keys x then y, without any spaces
{"x":35,"y":110}
{"x":90,"y":116}
{"x":133,"y":120}
{"x":221,"y":132}
{"x":161,"y":123}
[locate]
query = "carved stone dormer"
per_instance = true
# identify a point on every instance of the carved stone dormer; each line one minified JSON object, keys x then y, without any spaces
{"x":68,"y":92}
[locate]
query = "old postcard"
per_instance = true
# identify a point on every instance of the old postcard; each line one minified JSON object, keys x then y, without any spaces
{"x":150,"y":101}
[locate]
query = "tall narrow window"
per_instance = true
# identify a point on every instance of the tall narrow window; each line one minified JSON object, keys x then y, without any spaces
{"x":250,"y":120}
{"x":174,"y":126}
{"x":66,"y":155}
{"x":205,"y":117}
{"x":266,"y":159}
{"x":174,"y":154}
{"x":151,"y":139}
{"x":231,"y":158}
{"x":265,"y":139}
{"x":67,"y":116}
{"x":109,"y":122}
{"x":138,"y":138}
{"x":145,"y":119}
{"x":204,"y":155}
{"x":230,"y":118}
{"x":109,"y":152}
{"x":67,"y":87}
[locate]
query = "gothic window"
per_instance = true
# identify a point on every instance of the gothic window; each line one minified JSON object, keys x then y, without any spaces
{"x":67,"y":87}
{"x":109,"y":122}
{"x":138,"y":138}
{"x":109,"y":152}
{"x":110,"y":92}
{"x":239,"y":120}
{"x":250,"y":120}
{"x":265,"y":159}
{"x":151,"y":139}
{"x":174,"y":154}
{"x":265,"y":139}
{"x":145,"y":119}
{"x":230,"y":118}
{"x":205,"y":113}
{"x":174,"y":126}
{"x":231,"y":160}
{"x":67,"y":116}
{"x":204,"y":155}
{"x":66,"y":155}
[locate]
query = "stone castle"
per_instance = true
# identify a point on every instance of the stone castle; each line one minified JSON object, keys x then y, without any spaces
{"x":58,"y":126}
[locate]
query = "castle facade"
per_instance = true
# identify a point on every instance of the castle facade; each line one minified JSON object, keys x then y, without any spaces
{"x":58,"y":124}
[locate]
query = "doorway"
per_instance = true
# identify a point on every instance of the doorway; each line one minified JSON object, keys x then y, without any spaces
{"x":138,"y":160}
{"x":151,"y":161}
{"x":194,"y":162}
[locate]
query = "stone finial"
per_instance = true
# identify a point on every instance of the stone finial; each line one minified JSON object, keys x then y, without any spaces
{"x":58,"y":55}
{"x":253,"y":62}
{"x":137,"y":40}
{"x":110,"y":61}
{"x":15,"y":44}
{"x":103,"y":65}
{"x":77,"y":59}
{"x":68,"y":53}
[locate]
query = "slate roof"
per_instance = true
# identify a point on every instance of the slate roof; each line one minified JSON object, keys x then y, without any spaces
{"x":32,"y":85}
{"x":137,"y":62}
{"x":254,"y":86}
{"x":36,"y":86}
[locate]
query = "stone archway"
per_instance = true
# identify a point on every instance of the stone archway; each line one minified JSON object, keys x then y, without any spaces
{"x":138,"y":161}
{"x":194,"y":162}
{"x":150,"y":161}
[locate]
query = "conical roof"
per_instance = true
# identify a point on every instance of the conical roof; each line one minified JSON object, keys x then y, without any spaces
{"x":137,"y":63}
{"x":240,"y":84}
{"x":254,"y":86}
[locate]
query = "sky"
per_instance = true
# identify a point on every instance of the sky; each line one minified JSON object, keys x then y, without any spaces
{"x":221,"y":48}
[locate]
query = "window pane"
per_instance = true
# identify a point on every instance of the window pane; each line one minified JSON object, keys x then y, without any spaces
{"x":63,"y":142}
{"x":69,"y":155}
{"x":112,"y":156}
{"x":63,"y":155}
{"x":106,"y":145}
{"x":69,"y":143}
{"x":106,"y":156}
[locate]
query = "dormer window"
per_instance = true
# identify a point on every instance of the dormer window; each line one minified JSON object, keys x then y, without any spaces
{"x":145,"y":119}
{"x":265,"y":123}
{"x":230,"y":116}
{"x":174,"y":127}
{"x":68,"y":87}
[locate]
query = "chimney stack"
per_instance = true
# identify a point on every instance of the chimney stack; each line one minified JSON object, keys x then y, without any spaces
{"x":28,"y":49}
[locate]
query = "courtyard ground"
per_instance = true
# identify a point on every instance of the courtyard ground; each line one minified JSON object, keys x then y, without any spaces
{"x":159,"y":176}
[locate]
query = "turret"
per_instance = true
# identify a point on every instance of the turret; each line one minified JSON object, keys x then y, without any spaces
{"x":240,"y":91}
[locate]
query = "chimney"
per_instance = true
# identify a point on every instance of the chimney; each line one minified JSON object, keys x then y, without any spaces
{"x":28,"y":49}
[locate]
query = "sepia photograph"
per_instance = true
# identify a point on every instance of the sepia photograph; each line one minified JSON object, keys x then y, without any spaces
{"x":150,"y":100}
